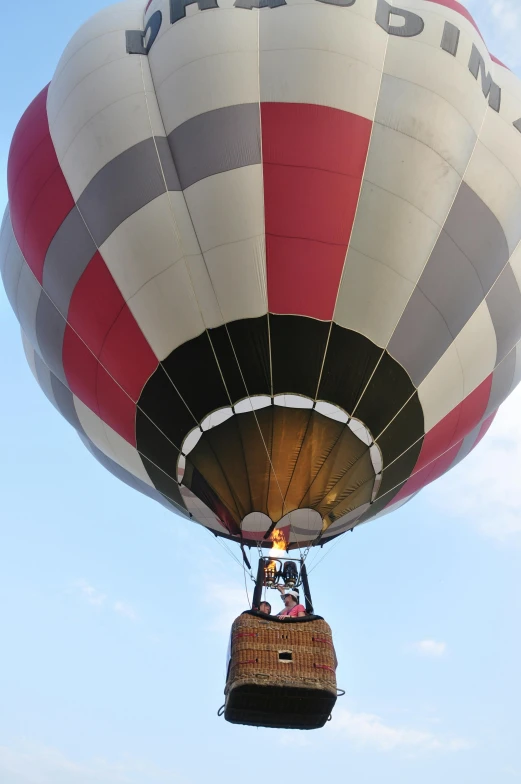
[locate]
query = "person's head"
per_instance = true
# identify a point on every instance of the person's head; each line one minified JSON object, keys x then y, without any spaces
{"x":290,"y":598}
{"x":265,"y":607}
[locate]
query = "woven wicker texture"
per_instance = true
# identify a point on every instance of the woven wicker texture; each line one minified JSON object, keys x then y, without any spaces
{"x":273,"y":653}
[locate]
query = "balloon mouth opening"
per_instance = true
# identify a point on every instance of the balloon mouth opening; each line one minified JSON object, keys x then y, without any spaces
{"x":286,"y":467}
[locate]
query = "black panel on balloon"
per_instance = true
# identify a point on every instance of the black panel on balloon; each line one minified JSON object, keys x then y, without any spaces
{"x":161,"y":412}
{"x":242,"y":350}
{"x":165,"y":484}
{"x":393,"y":479}
{"x":350,"y":360}
{"x":194,"y":370}
{"x":403,"y":432}
{"x":297,"y":351}
{"x":388,"y":390}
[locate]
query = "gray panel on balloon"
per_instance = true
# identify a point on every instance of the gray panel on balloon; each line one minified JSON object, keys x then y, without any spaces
{"x":421,"y":337}
{"x":504,"y":304}
{"x":478,"y":234}
{"x":215,"y":142}
{"x":70,"y":251}
{"x":451,"y":283}
{"x":125,"y":185}
{"x":50,"y":329}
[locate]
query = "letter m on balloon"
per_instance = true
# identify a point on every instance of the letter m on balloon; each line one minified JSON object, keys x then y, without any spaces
{"x":490,"y":89}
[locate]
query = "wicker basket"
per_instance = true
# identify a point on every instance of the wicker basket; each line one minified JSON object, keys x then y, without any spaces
{"x":281,"y":673}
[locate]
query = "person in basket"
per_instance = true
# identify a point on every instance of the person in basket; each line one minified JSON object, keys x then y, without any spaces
{"x":292,"y":607}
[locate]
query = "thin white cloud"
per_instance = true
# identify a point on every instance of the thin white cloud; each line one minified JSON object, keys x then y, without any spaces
{"x":227,"y":601}
{"x":33,"y":763}
{"x":366,"y":731}
{"x":126,"y":610}
{"x":430,"y":648}
{"x":96,"y":598}
{"x":90,"y":594}
{"x":484,"y":489}
{"x":290,"y":738}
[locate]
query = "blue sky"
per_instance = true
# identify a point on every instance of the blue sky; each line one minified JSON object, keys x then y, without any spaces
{"x":114,"y":614}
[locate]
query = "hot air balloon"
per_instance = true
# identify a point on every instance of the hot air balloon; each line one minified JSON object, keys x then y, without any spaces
{"x":265,"y":253}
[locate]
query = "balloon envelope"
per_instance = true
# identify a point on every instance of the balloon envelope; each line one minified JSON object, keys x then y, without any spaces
{"x":266,"y":259}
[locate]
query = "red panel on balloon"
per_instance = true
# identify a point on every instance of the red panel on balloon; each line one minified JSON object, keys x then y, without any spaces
{"x":127,"y":355}
{"x":313,"y":163}
{"x":95,"y":304}
{"x":473,"y":409}
{"x":442,"y":444}
{"x":313,"y":293}
{"x":39,"y":196}
{"x":456,"y":425}
{"x":103,"y":321}
{"x":31,"y":131}
{"x":96,"y":389}
{"x":428,"y":474}
{"x":116,"y":408}
{"x":81,"y":368}
{"x":438,"y":439}
{"x":100,"y":316}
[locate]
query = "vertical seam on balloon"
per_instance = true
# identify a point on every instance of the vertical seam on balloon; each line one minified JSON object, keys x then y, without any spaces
{"x":283,"y":495}
{"x":326,"y":348}
{"x":239,"y":432}
{"x":298,"y":457}
{"x":258,"y":11}
{"x":268,"y":487}
{"x":210,"y":279}
{"x":272,"y":468}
